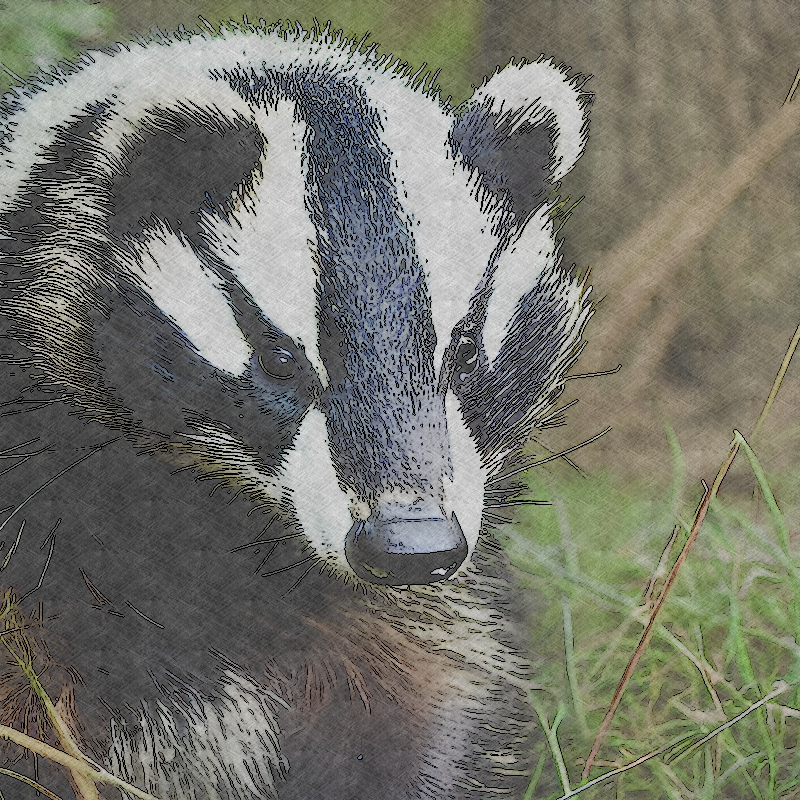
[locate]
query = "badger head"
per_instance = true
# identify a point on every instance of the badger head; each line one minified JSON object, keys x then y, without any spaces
{"x":276,"y":263}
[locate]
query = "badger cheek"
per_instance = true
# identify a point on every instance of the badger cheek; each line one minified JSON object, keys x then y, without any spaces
{"x":463,"y":493}
{"x":322,"y":508}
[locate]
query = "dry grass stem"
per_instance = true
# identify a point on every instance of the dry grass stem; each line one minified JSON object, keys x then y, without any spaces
{"x":708,"y":495}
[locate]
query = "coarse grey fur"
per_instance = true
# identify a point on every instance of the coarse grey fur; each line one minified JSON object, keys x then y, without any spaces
{"x":168,"y":536}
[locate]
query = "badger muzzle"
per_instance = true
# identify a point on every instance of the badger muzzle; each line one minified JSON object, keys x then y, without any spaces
{"x":398,"y":551}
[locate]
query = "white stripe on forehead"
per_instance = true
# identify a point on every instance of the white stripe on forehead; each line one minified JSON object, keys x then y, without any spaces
{"x":191,"y":296}
{"x":268,"y":245}
{"x":184,"y":73}
{"x":518,"y":269}
{"x":453,"y":235}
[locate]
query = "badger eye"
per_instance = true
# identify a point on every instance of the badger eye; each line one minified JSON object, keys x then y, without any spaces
{"x":466,"y":357}
{"x":279,"y":363}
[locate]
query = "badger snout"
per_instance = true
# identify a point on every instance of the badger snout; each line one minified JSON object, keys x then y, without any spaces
{"x":402,"y":550}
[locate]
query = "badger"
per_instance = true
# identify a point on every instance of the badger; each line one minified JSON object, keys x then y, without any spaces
{"x":274,"y":318}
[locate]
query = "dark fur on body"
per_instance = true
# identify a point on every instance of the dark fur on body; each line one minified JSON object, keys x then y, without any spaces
{"x":367,"y":701}
{"x":193,"y":638}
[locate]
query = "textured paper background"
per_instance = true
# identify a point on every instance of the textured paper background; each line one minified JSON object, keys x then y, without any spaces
{"x":689,"y":221}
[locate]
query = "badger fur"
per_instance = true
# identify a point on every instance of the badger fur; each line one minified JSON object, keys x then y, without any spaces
{"x":272,"y":318}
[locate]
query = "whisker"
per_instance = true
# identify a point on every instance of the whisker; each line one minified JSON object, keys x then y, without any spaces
{"x":143,"y":615}
{"x":270,"y":522}
{"x":506,"y":490}
{"x":497,"y":518}
{"x":4,"y":453}
{"x":533,"y":464}
{"x":52,"y":537}
{"x":9,"y":454}
{"x":286,"y":569}
{"x":265,"y":541}
{"x":555,"y":412}
{"x":238,"y":492}
{"x":299,"y":580}
{"x":95,"y":449}
{"x":41,"y":404}
{"x":522,"y":503}
{"x":568,"y":460}
{"x":595,"y":374}
{"x":13,"y":546}
{"x":557,"y":422}
{"x":266,"y":558}
{"x":18,"y":464}
{"x":96,"y":593}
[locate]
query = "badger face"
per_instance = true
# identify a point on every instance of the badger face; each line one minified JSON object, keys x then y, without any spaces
{"x":277,"y":264}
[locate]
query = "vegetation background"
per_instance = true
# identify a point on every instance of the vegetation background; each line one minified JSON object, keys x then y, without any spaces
{"x":689,"y":224}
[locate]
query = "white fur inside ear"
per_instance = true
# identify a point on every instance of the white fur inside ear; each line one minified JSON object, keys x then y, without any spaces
{"x":540,"y":88}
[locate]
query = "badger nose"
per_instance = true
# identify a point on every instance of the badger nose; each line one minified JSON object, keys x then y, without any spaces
{"x":398,"y":552}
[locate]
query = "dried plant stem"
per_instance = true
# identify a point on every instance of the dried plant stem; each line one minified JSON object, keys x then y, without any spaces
{"x":776,"y":384}
{"x":84,"y":786}
{"x":30,"y":782}
{"x":85,"y":773}
{"x":791,"y":92}
{"x":45,"y":750}
{"x":780,"y":688}
{"x":75,"y":765}
{"x":709,"y":494}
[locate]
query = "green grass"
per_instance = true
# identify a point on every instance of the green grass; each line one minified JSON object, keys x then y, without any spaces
{"x":727,"y":632}
{"x":38,"y":33}
{"x":443,"y":34}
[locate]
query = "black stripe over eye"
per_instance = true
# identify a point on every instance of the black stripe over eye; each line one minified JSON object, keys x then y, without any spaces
{"x":279,"y":363}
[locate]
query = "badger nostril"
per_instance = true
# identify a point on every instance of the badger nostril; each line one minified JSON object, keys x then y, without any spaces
{"x":398,"y":552}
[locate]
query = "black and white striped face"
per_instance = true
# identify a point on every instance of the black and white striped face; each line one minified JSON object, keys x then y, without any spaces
{"x":278,"y":263}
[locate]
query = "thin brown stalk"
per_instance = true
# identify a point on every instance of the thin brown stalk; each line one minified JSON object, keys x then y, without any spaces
{"x":732,"y":181}
{"x":708,"y":495}
{"x":776,"y":384}
{"x":795,"y":83}
{"x":661,"y":568}
{"x":73,"y":764}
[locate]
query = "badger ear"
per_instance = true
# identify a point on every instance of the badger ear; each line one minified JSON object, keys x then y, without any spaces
{"x":523,"y":130}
